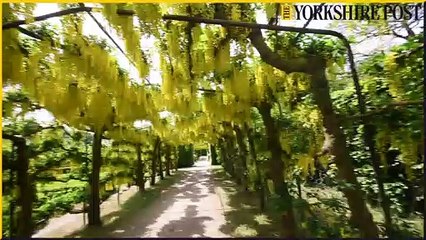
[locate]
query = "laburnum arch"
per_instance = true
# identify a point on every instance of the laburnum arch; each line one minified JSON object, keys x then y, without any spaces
{"x":211,"y":79}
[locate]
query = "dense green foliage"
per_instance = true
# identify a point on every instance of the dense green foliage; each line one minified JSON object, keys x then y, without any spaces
{"x":185,"y":156}
{"x":60,"y":164}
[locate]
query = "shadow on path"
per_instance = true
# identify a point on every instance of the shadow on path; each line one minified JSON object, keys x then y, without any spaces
{"x":124,"y":222}
{"x":189,"y":225}
{"x":189,"y":207}
{"x":243,"y":217}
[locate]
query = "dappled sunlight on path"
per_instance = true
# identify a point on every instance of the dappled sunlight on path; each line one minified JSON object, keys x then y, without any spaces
{"x":192,"y":207}
{"x":69,"y":223}
{"x":200,"y":201}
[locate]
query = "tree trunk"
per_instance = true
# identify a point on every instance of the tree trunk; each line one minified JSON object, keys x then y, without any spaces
{"x":160,"y":161}
{"x":369,"y":140}
{"x":140,"y":174}
{"x":361,"y":216}
{"x":276,"y":169}
{"x":175,"y":153}
{"x":118,"y":195}
{"x":168,"y":159}
{"x":25,"y":194}
{"x":94,"y":202}
{"x":369,"y":135}
{"x":84,"y":213}
{"x":12,"y":206}
{"x":299,"y":186}
{"x":223,"y":157}
{"x":229,"y":153}
{"x":153,"y":168}
{"x":242,"y":156}
{"x":213,"y":154}
{"x":259,"y":183}
{"x":154,"y":161}
{"x":315,"y":66}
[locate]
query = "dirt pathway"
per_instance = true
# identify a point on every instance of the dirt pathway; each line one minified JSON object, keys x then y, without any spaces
{"x":194,"y":206}
{"x":69,"y":223}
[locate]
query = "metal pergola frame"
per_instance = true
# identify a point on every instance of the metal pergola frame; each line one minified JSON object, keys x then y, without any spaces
{"x":226,"y":23}
{"x":304,"y":30}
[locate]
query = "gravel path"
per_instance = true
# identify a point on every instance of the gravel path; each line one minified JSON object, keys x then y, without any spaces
{"x":192,"y":207}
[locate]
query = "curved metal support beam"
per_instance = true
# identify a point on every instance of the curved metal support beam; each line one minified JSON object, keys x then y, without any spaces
{"x":18,"y":23}
{"x":229,"y":23}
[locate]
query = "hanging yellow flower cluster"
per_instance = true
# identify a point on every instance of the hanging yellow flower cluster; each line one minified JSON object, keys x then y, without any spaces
{"x":82,"y":84}
{"x":264,"y":79}
{"x":223,"y":59}
{"x":409,"y":148}
{"x":149,"y":16}
{"x":130,"y":135}
{"x":198,"y":53}
{"x":212,"y":105}
{"x":124,"y":25}
{"x":168,"y":85}
{"x":240,"y":85}
{"x":394,"y":80}
{"x":14,"y":61}
{"x":208,"y":42}
{"x":235,"y":10}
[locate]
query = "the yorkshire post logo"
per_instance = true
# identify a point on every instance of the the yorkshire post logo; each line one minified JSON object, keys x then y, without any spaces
{"x":395,"y":12}
{"x":287,"y":11}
